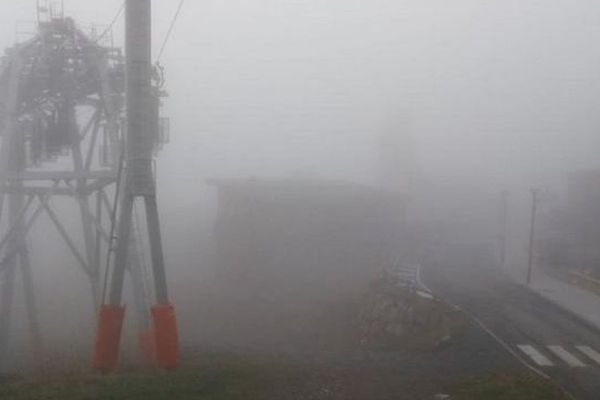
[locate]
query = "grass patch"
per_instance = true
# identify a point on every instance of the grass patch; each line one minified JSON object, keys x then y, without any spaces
{"x":231,"y":377}
{"x":506,"y":386}
{"x":211,"y":378}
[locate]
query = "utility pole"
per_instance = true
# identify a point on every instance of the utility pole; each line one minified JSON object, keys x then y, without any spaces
{"x":139,"y":184}
{"x":502,"y":226}
{"x":534,"y":201}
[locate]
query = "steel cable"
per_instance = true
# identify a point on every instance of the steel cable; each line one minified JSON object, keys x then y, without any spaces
{"x":170,"y":31}
{"x":112,"y":23}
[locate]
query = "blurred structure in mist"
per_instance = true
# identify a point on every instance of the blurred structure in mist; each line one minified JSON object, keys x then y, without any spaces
{"x":288,"y":251}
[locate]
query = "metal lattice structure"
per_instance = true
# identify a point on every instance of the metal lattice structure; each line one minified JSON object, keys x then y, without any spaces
{"x":139,"y":185}
{"x":62,"y":108}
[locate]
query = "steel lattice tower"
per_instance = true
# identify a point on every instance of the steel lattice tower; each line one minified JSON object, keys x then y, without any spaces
{"x":62,"y":112}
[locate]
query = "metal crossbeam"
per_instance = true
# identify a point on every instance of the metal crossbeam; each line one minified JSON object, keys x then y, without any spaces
{"x":68,"y":175}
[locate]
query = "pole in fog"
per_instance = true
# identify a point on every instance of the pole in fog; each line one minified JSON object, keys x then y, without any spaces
{"x":502,"y":226}
{"x":534,"y":201}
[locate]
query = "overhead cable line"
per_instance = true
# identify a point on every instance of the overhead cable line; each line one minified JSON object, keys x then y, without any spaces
{"x":112,"y":23}
{"x":168,"y":36}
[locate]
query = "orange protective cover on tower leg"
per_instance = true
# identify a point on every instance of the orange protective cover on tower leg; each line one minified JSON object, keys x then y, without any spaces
{"x":147,"y":343}
{"x":108,"y":336}
{"x":167,"y":338}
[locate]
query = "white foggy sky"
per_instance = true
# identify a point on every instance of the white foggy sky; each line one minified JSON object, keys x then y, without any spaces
{"x":280,"y":87}
{"x":494,"y":90}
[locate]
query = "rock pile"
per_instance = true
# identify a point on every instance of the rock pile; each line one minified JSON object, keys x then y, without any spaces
{"x":404,"y":317}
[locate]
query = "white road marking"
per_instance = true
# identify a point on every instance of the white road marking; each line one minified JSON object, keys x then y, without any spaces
{"x":567,"y":357}
{"x":591,"y":353}
{"x":535,"y":355}
{"x":509,"y":349}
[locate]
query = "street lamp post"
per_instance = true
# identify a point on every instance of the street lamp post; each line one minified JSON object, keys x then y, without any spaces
{"x":534,"y":201}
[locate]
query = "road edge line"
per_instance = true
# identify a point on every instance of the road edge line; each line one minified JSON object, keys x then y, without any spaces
{"x":501,"y":342}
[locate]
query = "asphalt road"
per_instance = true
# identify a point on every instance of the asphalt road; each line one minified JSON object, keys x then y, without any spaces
{"x":541,"y":334}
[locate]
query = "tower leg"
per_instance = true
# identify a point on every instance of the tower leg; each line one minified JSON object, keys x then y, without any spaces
{"x":98,"y":249}
{"x":6,"y":282}
{"x":32,"y":312}
{"x":163,"y":314}
{"x":136,"y":271}
{"x":158,"y":260}
{"x":90,"y":248}
{"x":140,"y":298}
{"x":15,"y":203}
{"x":111,"y":316}
{"x":124,"y":233}
{"x":7,"y":293}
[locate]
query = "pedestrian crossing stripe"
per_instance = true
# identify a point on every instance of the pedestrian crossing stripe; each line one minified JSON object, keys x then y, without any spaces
{"x":590,"y":353}
{"x":535,"y":355}
{"x":569,"y":357}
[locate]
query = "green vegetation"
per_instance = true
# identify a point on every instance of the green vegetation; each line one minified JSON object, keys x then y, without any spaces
{"x":505,"y":386}
{"x":230,"y":377}
{"x":214,"y":378}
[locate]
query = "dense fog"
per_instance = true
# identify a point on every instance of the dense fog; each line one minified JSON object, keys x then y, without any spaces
{"x":444,"y":104}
